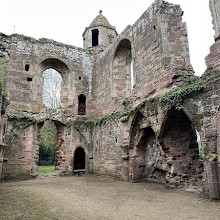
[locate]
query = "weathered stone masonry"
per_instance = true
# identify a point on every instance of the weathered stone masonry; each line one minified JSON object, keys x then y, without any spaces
{"x":145,"y":116}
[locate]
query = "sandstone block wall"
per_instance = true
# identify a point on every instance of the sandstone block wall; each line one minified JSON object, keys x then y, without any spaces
{"x":145,"y":112}
{"x":215,"y":10}
{"x":74,"y":64}
{"x":20,"y":152}
{"x":154,"y":50}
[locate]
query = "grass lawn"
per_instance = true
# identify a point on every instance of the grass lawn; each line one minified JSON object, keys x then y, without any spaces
{"x":46,"y":169}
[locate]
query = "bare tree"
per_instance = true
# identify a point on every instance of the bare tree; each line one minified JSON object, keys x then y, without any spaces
{"x":52,"y":88}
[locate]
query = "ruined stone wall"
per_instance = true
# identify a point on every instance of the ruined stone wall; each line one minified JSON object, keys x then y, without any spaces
{"x":110,"y":148}
{"x":68,"y":140}
{"x":21,"y":152}
{"x":159,"y":59}
{"x":208,"y":106}
{"x":212,"y":60}
{"x":138,"y":128}
{"x":215,"y":10}
{"x":3,"y":120}
{"x":25,"y":87}
{"x":171,"y":139}
{"x":4,"y":56}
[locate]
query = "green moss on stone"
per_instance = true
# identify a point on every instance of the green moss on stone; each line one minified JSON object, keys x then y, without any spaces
{"x":20,"y":117}
{"x":175,"y":98}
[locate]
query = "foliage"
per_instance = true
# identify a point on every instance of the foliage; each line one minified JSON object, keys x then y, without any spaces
{"x":46,"y":169}
{"x":175,"y":98}
{"x":16,"y":116}
{"x":168,"y":100}
{"x":47,"y":148}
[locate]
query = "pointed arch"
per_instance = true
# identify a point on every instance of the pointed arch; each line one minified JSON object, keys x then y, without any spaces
{"x":144,"y":150}
{"x":54,"y":63}
{"x":52,"y":83}
{"x":178,"y":139}
{"x":122,"y":70}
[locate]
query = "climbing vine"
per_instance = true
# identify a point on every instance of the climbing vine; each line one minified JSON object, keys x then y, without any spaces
{"x":175,"y":98}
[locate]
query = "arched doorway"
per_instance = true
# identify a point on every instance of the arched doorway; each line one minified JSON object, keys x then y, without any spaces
{"x":79,"y":160}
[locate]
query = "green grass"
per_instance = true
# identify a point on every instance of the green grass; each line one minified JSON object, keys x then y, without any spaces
{"x":46,"y":169}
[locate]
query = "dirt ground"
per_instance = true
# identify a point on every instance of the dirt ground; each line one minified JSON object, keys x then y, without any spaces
{"x":95,"y":197}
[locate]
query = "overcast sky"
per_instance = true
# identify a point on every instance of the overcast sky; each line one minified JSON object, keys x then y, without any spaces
{"x":65,"y":20}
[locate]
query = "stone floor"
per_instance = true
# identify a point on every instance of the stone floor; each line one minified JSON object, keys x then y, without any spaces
{"x":95,"y":197}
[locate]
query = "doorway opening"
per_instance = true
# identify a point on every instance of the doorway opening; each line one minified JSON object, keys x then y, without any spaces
{"x":79,"y":160}
{"x":47,"y":147}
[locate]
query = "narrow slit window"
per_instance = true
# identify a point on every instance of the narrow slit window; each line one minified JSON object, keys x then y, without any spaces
{"x":27,"y":67}
{"x":29,"y":79}
{"x":81,"y":104}
{"x":95,"y":37}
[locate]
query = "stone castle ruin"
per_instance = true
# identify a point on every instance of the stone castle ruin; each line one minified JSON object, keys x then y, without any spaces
{"x":130,"y":105}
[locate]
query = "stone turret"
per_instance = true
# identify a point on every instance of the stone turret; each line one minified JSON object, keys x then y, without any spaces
{"x":99,"y":33}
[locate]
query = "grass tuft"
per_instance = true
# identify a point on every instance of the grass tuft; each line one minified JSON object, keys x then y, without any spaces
{"x":46,"y":169}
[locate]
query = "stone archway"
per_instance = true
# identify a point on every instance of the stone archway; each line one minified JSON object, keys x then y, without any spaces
{"x":144,"y":151}
{"x":62,"y":71}
{"x":59,"y":159}
{"x":178,"y":139}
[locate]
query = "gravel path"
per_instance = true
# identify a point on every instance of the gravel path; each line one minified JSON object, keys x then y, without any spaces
{"x":94,"y":197}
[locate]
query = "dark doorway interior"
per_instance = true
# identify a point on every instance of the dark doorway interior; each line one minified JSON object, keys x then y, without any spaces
{"x":81,"y":104}
{"x":79,"y":159}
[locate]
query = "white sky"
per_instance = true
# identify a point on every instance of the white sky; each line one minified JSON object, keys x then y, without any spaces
{"x":65,"y":20}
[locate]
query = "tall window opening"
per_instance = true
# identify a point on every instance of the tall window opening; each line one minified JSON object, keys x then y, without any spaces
{"x":79,"y":159}
{"x":95,"y":37}
{"x":81,"y":104}
{"x":122,"y":70}
{"x":51,"y":88}
{"x":133,"y":78}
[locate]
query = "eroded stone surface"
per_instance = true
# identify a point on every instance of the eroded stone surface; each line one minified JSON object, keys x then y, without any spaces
{"x":146,"y":117}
